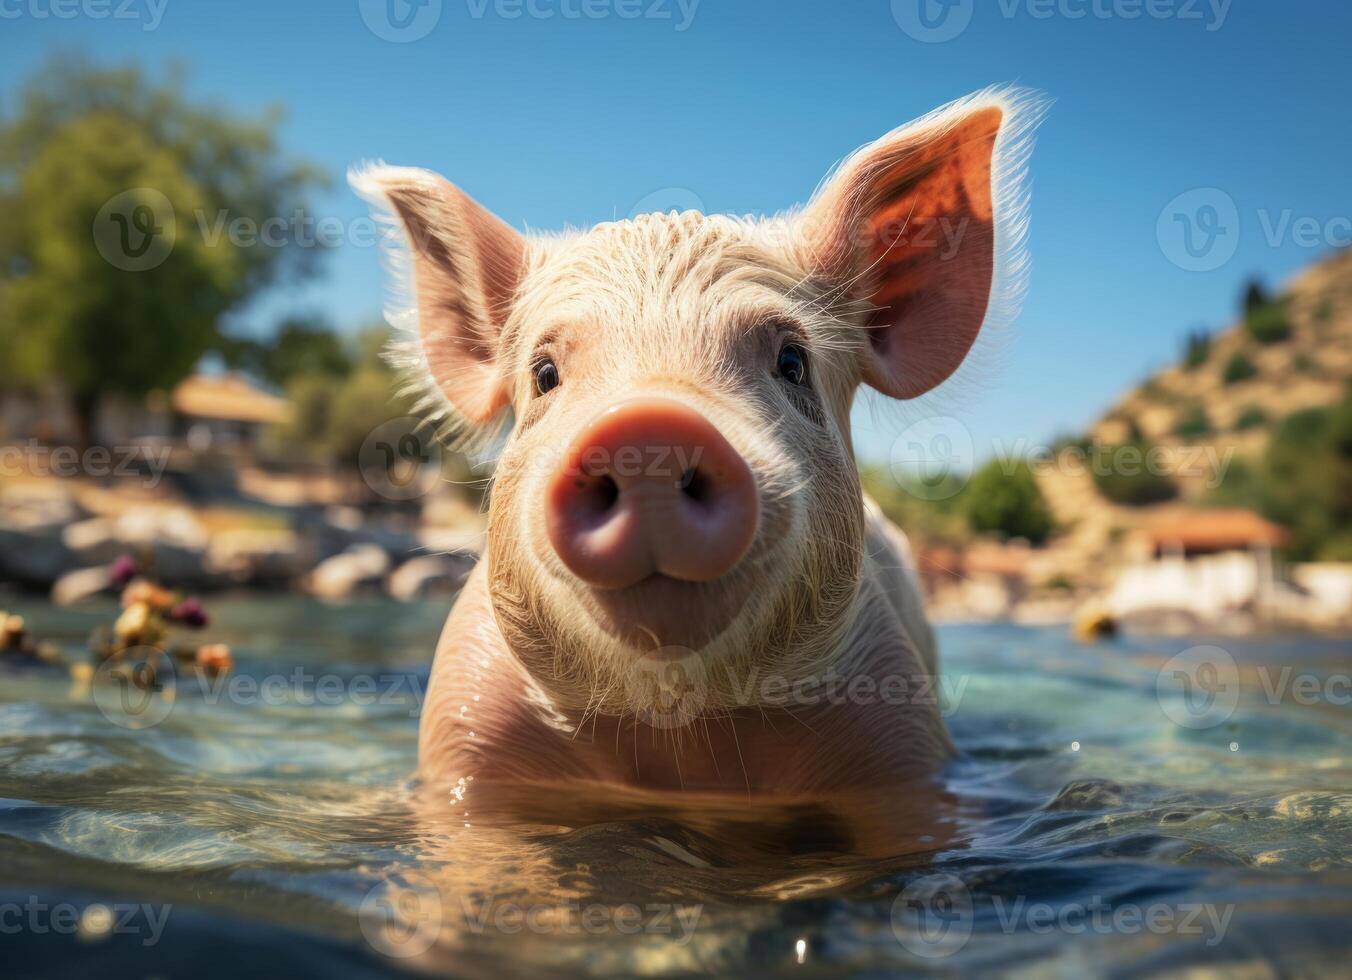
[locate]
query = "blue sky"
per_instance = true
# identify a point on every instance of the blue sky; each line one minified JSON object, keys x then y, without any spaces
{"x":556,"y":112}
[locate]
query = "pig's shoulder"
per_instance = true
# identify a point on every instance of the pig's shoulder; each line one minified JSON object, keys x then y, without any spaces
{"x":891,"y":564}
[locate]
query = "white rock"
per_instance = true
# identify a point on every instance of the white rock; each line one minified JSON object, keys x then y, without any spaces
{"x":338,"y":577}
{"x":81,"y":584}
{"x":429,"y":575}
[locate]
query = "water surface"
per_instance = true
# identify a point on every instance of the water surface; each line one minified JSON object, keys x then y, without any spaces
{"x":1100,"y":821}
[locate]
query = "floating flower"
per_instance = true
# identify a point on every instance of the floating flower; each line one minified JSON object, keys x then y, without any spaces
{"x":123,"y":570}
{"x":190,"y":613}
{"x":132,"y":626}
{"x":215,"y":658}
{"x":147,"y":593}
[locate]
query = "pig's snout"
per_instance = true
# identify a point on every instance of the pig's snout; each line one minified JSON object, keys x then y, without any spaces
{"x":651,"y":487}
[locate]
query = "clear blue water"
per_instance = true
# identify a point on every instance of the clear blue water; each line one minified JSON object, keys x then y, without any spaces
{"x":1092,"y":832}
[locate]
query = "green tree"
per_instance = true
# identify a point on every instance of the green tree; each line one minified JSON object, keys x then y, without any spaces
{"x":1196,"y":349}
{"x":115,"y":196}
{"x":331,"y":417}
{"x":1268,"y":323}
{"x":1123,"y":475}
{"x":300,"y":346}
{"x":1007,"y":502}
{"x":1238,"y":368}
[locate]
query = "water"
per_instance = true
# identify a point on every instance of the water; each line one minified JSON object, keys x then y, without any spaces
{"x":1084,"y":831}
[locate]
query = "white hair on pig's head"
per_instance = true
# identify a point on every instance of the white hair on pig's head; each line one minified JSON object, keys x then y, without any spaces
{"x":908,"y":251}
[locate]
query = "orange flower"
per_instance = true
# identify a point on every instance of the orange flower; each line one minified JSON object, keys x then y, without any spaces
{"x":215,"y":658}
{"x":149,"y":593}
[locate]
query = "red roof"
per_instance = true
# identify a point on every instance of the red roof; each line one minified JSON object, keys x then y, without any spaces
{"x":1222,"y":529}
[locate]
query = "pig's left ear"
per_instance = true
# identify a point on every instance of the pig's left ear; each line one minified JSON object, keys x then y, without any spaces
{"x":465,"y":264}
{"x":917,"y":228}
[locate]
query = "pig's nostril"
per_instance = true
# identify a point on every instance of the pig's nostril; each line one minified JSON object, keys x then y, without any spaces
{"x":606,"y":492}
{"x":695,"y":485}
{"x":594,"y":496}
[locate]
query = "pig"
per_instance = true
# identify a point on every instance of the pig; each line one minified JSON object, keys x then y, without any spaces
{"x":684,"y":587}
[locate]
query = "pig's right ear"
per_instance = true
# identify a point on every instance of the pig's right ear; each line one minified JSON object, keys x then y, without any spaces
{"x":922,"y":231}
{"x":466,"y":265}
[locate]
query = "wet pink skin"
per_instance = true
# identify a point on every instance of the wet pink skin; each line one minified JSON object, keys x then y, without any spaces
{"x":651,"y":487}
{"x":485,"y":720}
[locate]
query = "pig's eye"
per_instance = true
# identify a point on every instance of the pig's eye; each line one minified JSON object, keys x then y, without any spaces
{"x":792,"y":364}
{"x":546,"y":376}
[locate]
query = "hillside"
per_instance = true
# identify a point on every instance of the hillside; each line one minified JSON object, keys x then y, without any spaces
{"x":1215,"y":413}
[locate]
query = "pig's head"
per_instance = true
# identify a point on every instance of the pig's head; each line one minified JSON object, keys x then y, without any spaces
{"x":677,"y":476}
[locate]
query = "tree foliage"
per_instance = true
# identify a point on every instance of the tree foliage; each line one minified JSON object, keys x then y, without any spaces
{"x":300,"y":346}
{"x":1007,"y":501}
{"x":98,"y":166}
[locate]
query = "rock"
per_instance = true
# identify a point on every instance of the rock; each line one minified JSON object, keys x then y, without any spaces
{"x":255,"y":555}
{"x":175,"y":541}
{"x":81,"y":585}
{"x":337,"y":529}
{"x":34,"y":558}
{"x":430,"y":575}
{"x":362,"y":565}
{"x":176,"y":526}
{"x":1093,"y":624}
{"x":94,"y":541}
{"x":39,"y":506}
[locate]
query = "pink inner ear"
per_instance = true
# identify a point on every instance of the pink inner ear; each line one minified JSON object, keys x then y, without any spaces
{"x":467,"y":265}
{"x":928,"y":221}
